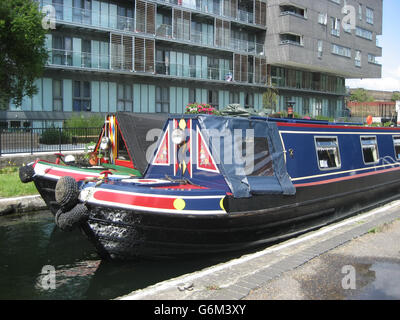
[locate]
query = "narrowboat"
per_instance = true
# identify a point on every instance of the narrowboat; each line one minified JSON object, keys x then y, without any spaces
{"x":111,"y":155}
{"x":220,"y":184}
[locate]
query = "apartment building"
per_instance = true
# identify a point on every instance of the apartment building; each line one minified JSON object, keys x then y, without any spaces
{"x":158,"y":56}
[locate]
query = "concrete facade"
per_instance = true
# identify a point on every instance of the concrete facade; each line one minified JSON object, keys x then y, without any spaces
{"x":313,"y":23}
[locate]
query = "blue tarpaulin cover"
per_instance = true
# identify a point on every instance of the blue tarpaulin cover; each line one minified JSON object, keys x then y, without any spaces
{"x":256,"y":168}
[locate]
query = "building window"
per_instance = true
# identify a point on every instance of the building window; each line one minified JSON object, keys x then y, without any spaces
{"x":82,"y":96}
{"x":341,"y":51}
{"x":81,"y":11}
{"x":162,"y":99}
{"x":369,"y":15}
{"x":86,"y":54}
{"x":328,"y":153}
{"x":363,"y":33}
{"x":372,"y":59}
{"x":320,"y":48}
{"x":58,"y":5}
{"x":15,"y":124}
{"x":162,"y":61}
{"x":306,"y":106}
{"x":234,"y":98}
{"x":249,"y":100}
{"x":335,"y":22}
{"x":125,"y":98}
{"x":57,"y":95}
{"x":62,"y":51}
{"x":192,"y":95}
{"x":213,"y":98}
{"x":358,"y":58}
{"x":360,"y":12}
{"x":369,"y":147}
{"x":323,"y":18}
{"x":318,"y":107}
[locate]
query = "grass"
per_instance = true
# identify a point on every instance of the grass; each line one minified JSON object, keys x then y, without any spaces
{"x":11,"y":186}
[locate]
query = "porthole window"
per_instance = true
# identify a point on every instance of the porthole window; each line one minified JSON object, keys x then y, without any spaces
{"x":369,"y":147}
{"x":328,"y":153}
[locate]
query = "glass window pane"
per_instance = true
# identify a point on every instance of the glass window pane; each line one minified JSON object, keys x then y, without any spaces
{"x":120,"y":92}
{"x":86,"y":89}
{"x":77,"y":89}
{"x":56,"y":88}
{"x":128,"y":92}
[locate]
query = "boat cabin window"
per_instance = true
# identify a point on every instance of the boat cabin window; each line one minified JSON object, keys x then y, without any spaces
{"x":259,"y":163}
{"x":396,"y":143}
{"x":369,"y":147}
{"x":328,"y":153}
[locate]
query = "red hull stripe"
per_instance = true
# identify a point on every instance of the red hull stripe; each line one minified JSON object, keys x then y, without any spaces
{"x":303,"y":125}
{"x":135,"y":200}
{"x":344,"y":178}
{"x":183,"y":186}
{"x":76,"y":176}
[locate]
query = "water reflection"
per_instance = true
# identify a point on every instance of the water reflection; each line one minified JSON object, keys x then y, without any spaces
{"x":385,"y":284}
{"x":30,"y":242}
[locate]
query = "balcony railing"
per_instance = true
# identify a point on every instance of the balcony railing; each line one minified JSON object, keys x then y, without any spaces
{"x":205,"y":72}
{"x":68,"y":58}
{"x":78,"y":59}
{"x":90,"y":17}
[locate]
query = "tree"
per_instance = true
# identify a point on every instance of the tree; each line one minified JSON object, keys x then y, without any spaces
{"x":361,"y":95}
{"x":23,"y":53}
{"x":270,"y":98}
{"x":396,"y":96}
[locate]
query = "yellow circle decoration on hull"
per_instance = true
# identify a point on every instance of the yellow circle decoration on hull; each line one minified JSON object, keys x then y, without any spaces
{"x":221,"y":204}
{"x":179,"y":204}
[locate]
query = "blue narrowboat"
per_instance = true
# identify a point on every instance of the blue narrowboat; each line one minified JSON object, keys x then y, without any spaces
{"x":218,"y":184}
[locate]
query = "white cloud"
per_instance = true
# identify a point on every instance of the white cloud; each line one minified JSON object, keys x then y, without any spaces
{"x":383,"y":84}
{"x":390,"y":81}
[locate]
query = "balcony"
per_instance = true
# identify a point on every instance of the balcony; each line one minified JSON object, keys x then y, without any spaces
{"x":85,"y":60}
{"x":293,"y":39}
{"x":91,"y":18}
{"x":292,"y":10}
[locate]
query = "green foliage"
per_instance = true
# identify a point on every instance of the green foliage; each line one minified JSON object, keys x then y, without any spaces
{"x":270,"y":98}
{"x":23,"y":53}
{"x":361,"y":95}
{"x":55,"y":136}
{"x":81,"y":121}
{"x":396,"y":96}
{"x":12,"y":185}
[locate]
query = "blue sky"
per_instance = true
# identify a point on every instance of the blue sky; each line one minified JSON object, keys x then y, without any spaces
{"x":390,"y":60}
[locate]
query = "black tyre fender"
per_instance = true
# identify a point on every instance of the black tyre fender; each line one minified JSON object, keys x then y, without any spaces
{"x":71,"y":219}
{"x":66,"y":193}
{"x":26,"y":174}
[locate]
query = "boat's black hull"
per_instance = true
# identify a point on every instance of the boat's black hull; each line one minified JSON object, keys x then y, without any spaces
{"x":126,"y":234}
{"x":46,"y":188}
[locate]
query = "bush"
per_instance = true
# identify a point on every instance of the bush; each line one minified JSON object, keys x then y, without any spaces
{"x":55,"y":136}
{"x":80,"y":121}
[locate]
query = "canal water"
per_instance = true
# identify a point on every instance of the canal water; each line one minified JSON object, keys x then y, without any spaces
{"x":31,"y":242}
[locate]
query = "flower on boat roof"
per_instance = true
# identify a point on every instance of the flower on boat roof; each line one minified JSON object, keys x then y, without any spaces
{"x":203,"y":108}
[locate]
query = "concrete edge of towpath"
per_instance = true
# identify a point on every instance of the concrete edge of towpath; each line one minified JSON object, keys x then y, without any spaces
{"x":21,"y":204}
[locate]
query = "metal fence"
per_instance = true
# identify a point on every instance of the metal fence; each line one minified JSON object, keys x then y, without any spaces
{"x":32,"y":140}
